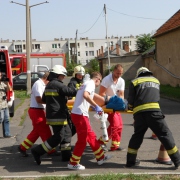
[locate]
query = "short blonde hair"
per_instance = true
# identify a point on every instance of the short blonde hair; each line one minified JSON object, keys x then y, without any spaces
{"x":95,"y":74}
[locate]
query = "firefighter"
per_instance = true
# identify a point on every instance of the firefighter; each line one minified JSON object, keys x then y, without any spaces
{"x":55,"y":97}
{"x":77,"y":79}
{"x":143,"y":99}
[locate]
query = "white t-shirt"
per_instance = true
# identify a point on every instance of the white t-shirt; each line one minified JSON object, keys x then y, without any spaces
{"x":81,"y":106}
{"x":112,"y":88}
{"x":37,"y":90}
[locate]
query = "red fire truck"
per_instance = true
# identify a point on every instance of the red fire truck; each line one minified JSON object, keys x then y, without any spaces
{"x":38,"y":61}
{"x":5,"y":68}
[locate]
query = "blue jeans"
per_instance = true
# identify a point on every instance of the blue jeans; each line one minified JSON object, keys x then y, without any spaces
{"x":4,"y":118}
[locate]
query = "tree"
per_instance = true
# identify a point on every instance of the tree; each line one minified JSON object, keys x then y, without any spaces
{"x":93,"y":66}
{"x":144,"y":42}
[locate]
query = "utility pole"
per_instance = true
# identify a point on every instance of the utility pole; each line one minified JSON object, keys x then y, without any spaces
{"x":28,"y":49}
{"x":107,"y":38}
{"x":28,"y":39}
{"x":29,"y":18}
{"x":76,"y":47}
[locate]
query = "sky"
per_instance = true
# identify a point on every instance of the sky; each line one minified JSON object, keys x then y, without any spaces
{"x":62,"y":18}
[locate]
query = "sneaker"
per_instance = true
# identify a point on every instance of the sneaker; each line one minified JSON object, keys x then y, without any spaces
{"x":9,"y":136}
{"x":102,"y":161}
{"x":104,"y":147}
{"x":132,"y":164}
{"x":24,"y":153}
{"x":76,"y":167}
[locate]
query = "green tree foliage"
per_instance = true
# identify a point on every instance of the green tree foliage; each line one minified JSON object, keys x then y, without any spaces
{"x":93,"y":66}
{"x":144,"y":42}
{"x":70,"y":66}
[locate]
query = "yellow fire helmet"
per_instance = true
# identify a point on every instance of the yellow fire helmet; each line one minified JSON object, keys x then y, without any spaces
{"x":143,"y":70}
{"x":79,"y":70}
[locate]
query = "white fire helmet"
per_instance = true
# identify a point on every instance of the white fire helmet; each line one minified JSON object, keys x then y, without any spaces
{"x":58,"y":69}
{"x":143,"y":70}
{"x":79,"y":70}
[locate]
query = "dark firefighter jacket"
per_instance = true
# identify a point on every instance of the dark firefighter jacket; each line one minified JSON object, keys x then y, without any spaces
{"x":144,"y":94}
{"x":55,"y":97}
{"x":75,"y":83}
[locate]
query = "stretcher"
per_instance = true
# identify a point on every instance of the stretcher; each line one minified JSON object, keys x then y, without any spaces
{"x":106,"y":110}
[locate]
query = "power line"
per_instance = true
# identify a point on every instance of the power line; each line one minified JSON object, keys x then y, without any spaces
{"x":93,"y":24}
{"x":135,"y":16}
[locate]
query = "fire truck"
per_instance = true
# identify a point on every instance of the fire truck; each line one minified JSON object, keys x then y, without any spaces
{"x":5,"y":68}
{"x":38,"y":62}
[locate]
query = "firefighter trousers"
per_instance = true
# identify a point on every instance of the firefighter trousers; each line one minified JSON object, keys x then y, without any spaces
{"x":40,"y":128}
{"x":156,"y":122}
{"x":85,"y":135}
{"x":61,"y":135}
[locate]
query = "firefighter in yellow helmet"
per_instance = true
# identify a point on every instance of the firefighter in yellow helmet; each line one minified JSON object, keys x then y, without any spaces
{"x":77,"y":79}
{"x":143,"y":99}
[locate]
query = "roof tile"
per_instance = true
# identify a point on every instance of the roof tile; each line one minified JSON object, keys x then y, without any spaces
{"x":170,"y":24}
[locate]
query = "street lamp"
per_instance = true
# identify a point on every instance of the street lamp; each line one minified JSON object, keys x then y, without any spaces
{"x":28,"y":40}
{"x":29,"y":17}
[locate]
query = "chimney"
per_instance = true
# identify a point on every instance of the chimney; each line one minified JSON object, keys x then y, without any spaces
{"x":99,"y":52}
{"x":102,"y":53}
{"x":126,"y":47}
{"x":117,"y":50}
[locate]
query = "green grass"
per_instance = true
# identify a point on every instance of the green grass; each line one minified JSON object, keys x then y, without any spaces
{"x":171,"y":92}
{"x":111,"y":177}
{"x":21,"y":94}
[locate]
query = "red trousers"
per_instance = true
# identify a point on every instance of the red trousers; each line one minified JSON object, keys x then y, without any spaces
{"x":114,"y":130}
{"x":40,"y":128}
{"x":85,"y":135}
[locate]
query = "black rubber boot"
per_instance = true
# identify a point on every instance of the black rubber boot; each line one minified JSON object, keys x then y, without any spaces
{"x":66,"y":155}
{"x":131,"y":160}
{"x":176,"y":159}
{"x":37,"y":152}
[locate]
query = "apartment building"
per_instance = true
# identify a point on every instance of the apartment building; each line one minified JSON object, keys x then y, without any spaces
{"x":81,"y":50}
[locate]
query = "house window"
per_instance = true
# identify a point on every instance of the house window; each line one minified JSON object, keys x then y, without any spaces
{"x":18,"y":48}
{"x":37,"y":46}
{"x":24,"y":46}
{"x":86,"y":44}
{"x":59,"y":45}
{"x":78,"y":45}
{"x":91,"y":44}
{"x":54,"y":45}
{"x":86,"y":53}
{"x":91,"y":53}
{"x":78,"y":53}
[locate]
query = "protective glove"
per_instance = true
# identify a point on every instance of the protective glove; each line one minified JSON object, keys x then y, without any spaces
{"x":98,"y":109}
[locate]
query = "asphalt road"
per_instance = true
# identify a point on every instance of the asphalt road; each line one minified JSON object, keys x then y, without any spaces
{"x":13,"y":165}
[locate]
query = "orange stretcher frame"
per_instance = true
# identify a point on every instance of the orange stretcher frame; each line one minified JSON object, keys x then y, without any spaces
{"x":106,"y":110}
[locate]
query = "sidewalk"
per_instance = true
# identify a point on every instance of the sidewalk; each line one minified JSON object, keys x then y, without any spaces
{"x":12,"y":164}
